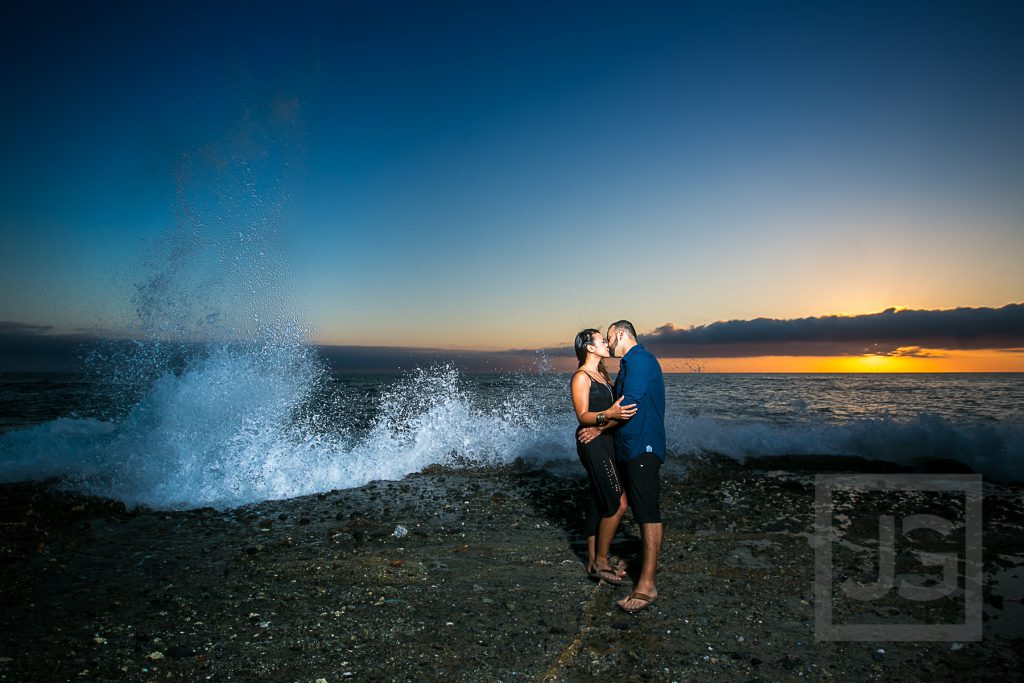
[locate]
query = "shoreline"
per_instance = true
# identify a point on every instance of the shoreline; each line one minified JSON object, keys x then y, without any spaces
{"x":487,"y":584}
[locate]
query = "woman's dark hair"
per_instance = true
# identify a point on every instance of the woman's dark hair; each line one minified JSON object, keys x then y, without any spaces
{"x":583,"y":338}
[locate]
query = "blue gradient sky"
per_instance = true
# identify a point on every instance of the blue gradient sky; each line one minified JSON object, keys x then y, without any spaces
{"x":485,"y":175}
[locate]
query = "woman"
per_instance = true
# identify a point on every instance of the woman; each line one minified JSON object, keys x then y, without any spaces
{"x":597,"y":412}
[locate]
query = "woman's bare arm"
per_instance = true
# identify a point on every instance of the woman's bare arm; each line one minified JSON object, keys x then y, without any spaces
{"x":581,"y":404}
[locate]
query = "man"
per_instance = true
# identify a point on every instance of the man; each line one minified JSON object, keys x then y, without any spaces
{"x":640,"y":449}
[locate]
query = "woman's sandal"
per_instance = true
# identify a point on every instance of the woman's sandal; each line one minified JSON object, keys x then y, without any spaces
{"x":606,"y":575}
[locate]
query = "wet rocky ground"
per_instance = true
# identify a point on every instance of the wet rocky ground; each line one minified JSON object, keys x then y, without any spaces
{"x":476,"y":575}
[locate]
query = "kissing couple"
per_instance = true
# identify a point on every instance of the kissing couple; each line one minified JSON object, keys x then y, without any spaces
{"x":621,"y":444}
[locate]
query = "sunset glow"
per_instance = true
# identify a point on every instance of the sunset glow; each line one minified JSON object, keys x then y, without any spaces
{"x":949,"y":361}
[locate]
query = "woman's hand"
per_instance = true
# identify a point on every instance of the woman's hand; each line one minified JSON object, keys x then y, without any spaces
{"x":619,"y":411}
{"x":587,"y":434}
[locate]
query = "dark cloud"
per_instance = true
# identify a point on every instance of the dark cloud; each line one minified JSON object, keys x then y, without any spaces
{"x":891,"y":332}
{"x":12,"y":327}
{"x":391,"y":358}
{"x":907,"y":333}
{"x":28,"y":348}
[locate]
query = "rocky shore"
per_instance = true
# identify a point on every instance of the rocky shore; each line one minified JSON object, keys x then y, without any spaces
{"x":473,"y":575}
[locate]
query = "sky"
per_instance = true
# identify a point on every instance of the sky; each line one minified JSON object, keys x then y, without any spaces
{"x":758,"y":187}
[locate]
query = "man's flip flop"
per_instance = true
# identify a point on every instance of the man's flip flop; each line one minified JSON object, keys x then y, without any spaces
{"x":638,"y":596}
{"x":607,"y":575}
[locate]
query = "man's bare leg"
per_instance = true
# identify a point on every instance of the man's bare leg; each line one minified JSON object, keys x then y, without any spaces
{"x":651,"y":535}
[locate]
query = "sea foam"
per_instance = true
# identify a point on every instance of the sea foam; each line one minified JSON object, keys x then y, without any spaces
{"x":236,"y":427}
{"x":242,"y":423}
{"x":993,"y":449}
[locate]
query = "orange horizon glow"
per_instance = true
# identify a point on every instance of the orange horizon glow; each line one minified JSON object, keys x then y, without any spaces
{"x":937,"y":361}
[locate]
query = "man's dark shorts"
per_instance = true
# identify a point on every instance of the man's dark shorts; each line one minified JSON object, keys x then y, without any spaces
{"x":643,"y":487}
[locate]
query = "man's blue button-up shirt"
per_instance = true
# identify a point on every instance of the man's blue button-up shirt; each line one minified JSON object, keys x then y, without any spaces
{"x":640,"y":381}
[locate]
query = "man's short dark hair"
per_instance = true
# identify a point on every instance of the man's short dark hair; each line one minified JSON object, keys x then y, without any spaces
{"x":625,"y":325}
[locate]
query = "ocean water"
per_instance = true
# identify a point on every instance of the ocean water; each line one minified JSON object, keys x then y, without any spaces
{"x":241,"y":423}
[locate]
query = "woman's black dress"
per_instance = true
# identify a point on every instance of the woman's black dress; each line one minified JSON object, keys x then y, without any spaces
{"x":598,"y":458}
